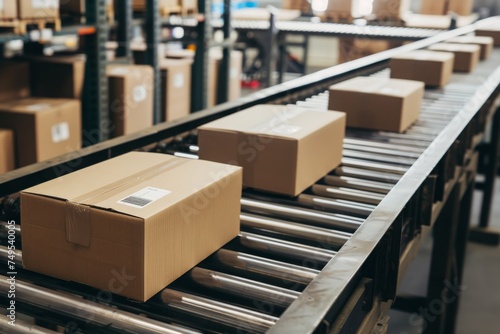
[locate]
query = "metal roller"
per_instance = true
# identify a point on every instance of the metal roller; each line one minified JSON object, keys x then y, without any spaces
{"x":243,"y":288}
{"x":283,"y":248}
{"x":367,"y":174}
{"x":383,"y":158}
{"x":358,"y":184}
{"x":333,"y":221}
{"x":378,"y":150}
{"x":337,"y":205}
{"x":375,"y":166}
{"x":21,"y":327}
{"x":317,"y":235}
{"x":383,"y":145}
{"x":347,"y":194}
{"x":18,"y":259}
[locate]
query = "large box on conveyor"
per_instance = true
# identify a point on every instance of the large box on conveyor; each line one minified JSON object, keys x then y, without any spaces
{"x":130,"y":98}
{"x":432,"y":67}
{"x":132,"y":224}
{"x":466,"y":55}
{"x":44,"y":128}
{"x":484,"y":42}
{"x":282,"y":149}
{"x":378,"y":103}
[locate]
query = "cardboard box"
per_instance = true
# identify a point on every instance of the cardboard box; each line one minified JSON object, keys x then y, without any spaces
{"x":132,"y":224}
{"x":433,"y":7}
{"x":394,"y":9}
{"x":14,"y":80}
{"x":343,"y":8}
{"x":164,"y":5}
{"x":72,"y":7}
{"x":484,"y":42}
{"x":8,"y":9}
{"x":130,"y":97}
{"x":44,"y":128}
{"x":442,"y":7}
{"x":460,"y":7}
{"x":282,"y":149}
{"x":466,"y":55}
{"x":492,"y":31}
{"x":31,"y":9}
{"x":432,"y":67}
{"x":176,"y":87}
{"x":58,"y":77}
{"x":355,"y":48}
{"x":235,"y":70}
{"x":7,"y":160}
{"x":378,"y":103}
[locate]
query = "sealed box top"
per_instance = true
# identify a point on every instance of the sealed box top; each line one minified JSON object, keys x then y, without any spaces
{"x":469,"y":39}
{"x":381,"y":86}
{"x":137,"y":184}
{"x":455,"y":47}
{"x":35,"y":105}
{"x":426,"y":55}
{"x":285,"y":122}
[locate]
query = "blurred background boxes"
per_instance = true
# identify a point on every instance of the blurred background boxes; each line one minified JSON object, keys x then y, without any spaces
{"x":466,"y":55}
{"x":7,"y":158}
{"x":14,"y":80}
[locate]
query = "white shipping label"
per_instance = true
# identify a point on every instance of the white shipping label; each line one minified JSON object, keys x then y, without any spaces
{"x":144,"y":197}
{"x":233,"y":73}
{"x":60,"y":132}
{"x":45,"y":4}
{"x":140,"y":93}
{"x":178,"y":80}
{"x":38,"y":106}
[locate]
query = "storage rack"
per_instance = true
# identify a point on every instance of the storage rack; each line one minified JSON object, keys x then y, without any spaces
{"x":359,"y":272}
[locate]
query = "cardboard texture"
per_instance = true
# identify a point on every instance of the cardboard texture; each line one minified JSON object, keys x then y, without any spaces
{"x":58,"y":77}
{"x":484,"y":42}
{"x":145,"y":217}
{"x":395,"y":9}
{"x":466,"y":55}
{"x":432,"y":67}
{"x":176,"y":86}
{"x":282,"y":149}
{"x":8,"y":9}
{"x":14,"y":80}
{"x":34,"y":9}
{"x":378,"y":103}
{"x":130,"y":98}
{"x":442,"y":7}
{"x":44,"y":128}
{"x":344,"y":8}
{"x":492,"y":31}
{"x":7,"y":161}
{"x":235,"y":70}
{"x":355,"y":48}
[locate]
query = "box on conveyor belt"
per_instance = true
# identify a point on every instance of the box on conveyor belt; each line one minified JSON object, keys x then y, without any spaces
{"x":14,"y":80}
{"x":130,"y":98}
{"x":466,"y":55}
{"x":31,"y":9}
{"x":491,"y":30}
{"x":176,"y":88}
{"x":282,"y":149}
{"x":484,"y":42}
{"x":431,"y":67}
{"x":8,"y":9}
{"x":59,"y":77}
{"x":378,"y":103}
{"x":44,"y":128}
{"x":7,"y":161}
{"x":132,"y":224}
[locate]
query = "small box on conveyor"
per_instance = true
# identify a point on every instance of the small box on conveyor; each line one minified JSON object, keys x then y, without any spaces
{"x":484,"y":42}
{"x":132,"y":224}
{"x":431,"y":67}
{"x":466,"y":55}
{"x":378,"y":103}
{"x":282,"y":149}
{"x":492,"y":30}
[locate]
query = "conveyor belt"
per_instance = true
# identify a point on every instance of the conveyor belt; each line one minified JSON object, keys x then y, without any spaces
{"x":296,"y":259}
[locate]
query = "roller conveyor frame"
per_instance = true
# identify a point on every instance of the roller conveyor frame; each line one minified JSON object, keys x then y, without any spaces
{"x":362,"y":276}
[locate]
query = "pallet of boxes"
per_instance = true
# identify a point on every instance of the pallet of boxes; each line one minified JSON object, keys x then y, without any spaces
{"x":17,"y":16}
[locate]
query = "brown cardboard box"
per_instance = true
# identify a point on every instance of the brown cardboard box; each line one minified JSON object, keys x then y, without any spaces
{"x":7,"y":160}
{"x":432,"y":67}
{"x":164,"y":5}
{"x":395,"y":9}
{"x":176,"y":85}
{"x":378,"y":103}
{"x":59,"y":77}
{"x":442,"y":7}
{"x":460,"y":7}
{"x":466,"y":55}
{"x":343,"y":8}
{"x":72,"y":6}
{"x":491,"y":31}
{"x":282,"y":149}
{"x":31,"y":9}
{"x":132,"y":224}
{"x":433,"y":7}
{"x":14,"y":80}
{"x":8,"y":9}
{"x":44,"y":128}
{"x":484,"y":42}
{"x":130,"y":97}
{"x":235,"y":69}
{"x":355,"y":48}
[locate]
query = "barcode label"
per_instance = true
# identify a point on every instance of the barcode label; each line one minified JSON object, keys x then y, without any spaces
{"x":60,"y":132}
{"x":144,"y":197}
{"x":45,"y":3}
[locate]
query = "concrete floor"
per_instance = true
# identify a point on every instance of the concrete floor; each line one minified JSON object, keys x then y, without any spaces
{"x":479,"y":310}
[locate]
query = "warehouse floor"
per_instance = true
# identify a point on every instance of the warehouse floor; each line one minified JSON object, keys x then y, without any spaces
{"x":480,"y":300}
